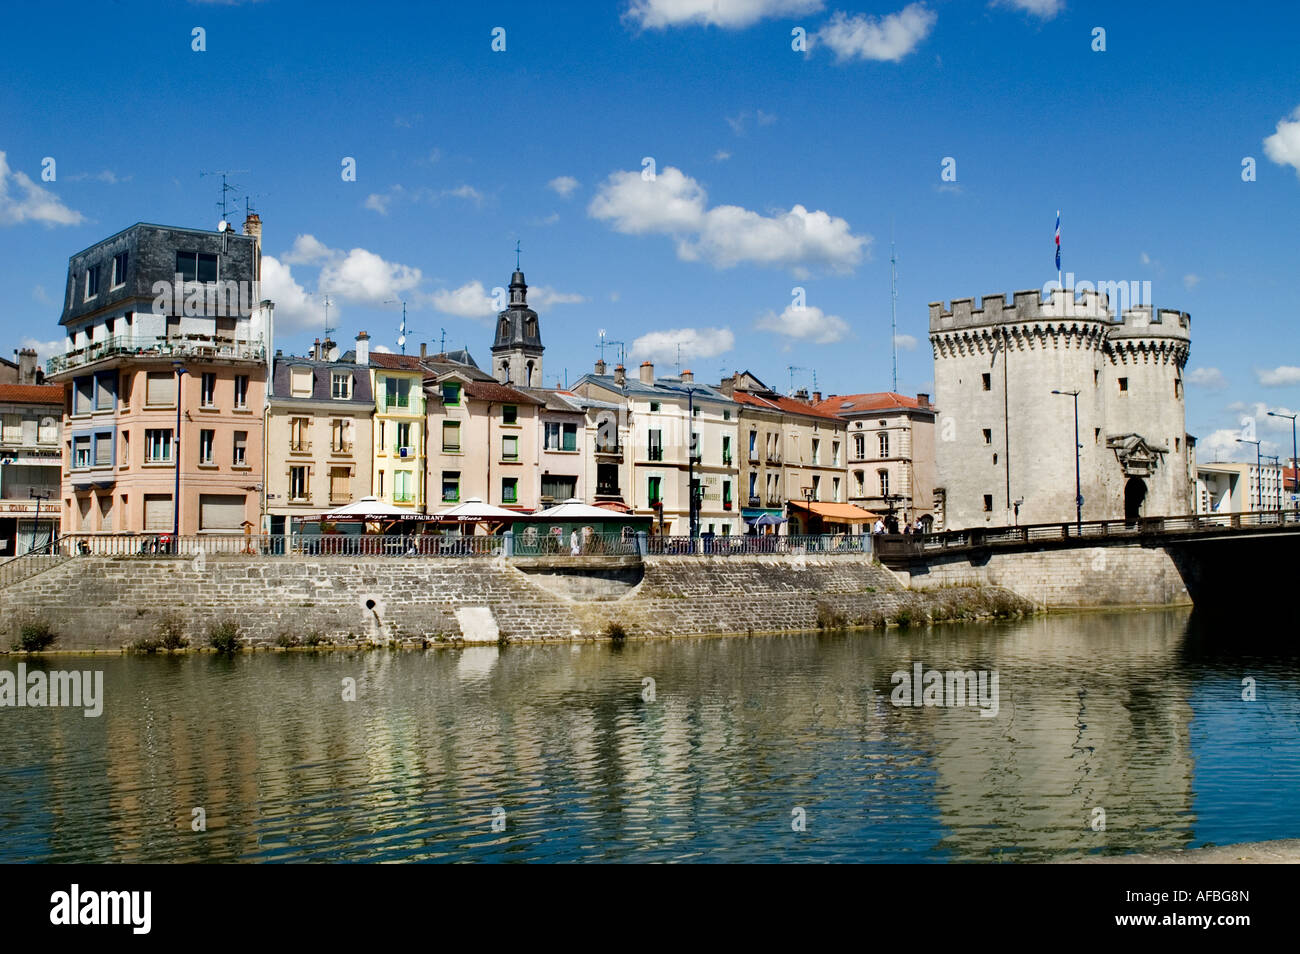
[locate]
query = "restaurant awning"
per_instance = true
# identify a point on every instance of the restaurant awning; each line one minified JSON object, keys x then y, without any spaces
{"x":837,"y":512}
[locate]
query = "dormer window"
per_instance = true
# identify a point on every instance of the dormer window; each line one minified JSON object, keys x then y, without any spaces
{"x":92,"y":282}
{"x":340,"y":385}
{"x":300,"y":383}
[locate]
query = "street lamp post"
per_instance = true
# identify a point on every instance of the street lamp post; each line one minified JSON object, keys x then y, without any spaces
{"x":808,"y":499}
{"x":1078,"y":491}
{"x":1259,"y":474}
{"x":1295,"y":464}
{"x":176,"y":450}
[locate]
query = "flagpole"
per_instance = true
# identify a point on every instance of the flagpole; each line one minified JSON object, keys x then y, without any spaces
{"x":1059,"y":283}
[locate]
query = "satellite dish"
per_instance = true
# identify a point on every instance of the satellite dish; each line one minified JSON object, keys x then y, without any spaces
{"x":401,"y":340}
{"x":222,"y":225}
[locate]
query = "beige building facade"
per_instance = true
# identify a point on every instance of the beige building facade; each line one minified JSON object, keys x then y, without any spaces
{"x":890,"y":461}
{"x":318,"y":436}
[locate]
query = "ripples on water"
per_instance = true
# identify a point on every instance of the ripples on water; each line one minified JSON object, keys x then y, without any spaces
{"x":1138,"y":714}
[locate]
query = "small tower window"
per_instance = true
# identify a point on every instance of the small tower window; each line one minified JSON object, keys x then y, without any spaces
{"x":988,"y":503}
{"x":987,"y":381}
{"x":1123,"y":384}
{"x":988,"y":436}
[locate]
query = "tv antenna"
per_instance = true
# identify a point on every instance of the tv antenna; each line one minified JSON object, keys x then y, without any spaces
{"x":401,"y":332}
{"x":328,"y":330}
{"x":893,"y":305}
{"x":792,"y":368}
{"x":622,"y":356}
{"x":226,"y":187}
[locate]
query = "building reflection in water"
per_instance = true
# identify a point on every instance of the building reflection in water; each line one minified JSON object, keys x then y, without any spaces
{"x":1094,"y":713}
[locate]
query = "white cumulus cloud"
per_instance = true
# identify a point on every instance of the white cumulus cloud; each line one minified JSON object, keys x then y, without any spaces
{"x":1283,"y":147}
{"x":695,"y":343}
{"x":563,"y":185}
{"x":1191,"y":280}
{"x":22,"y":200}
{"x":294,"y":309}
{"x":1279,"y":377}
{"x":807,"y":323}
{"x":1044,"y":9}
{"x":672,"y":203}
{"x":307,"y":250}
{"x":363,"y":276}
{"x":886,"y":39}
{"x":905,"y":342}
{"x":730,"y":14}
{"x":470,"y":300}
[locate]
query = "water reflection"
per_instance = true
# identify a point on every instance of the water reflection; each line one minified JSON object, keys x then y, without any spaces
{"x":1139,"y":715}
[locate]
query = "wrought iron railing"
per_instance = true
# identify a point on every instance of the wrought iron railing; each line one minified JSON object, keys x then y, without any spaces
{"x":195,"y":346}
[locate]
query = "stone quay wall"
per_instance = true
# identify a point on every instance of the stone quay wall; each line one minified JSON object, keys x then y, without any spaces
{"x":108,"y":603}
{"x":1114,"y":575}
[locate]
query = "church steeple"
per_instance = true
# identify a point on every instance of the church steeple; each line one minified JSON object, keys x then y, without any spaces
{"x":517,"y":350}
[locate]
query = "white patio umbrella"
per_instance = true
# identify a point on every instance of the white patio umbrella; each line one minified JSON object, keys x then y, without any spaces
{"x":370,"y":507}
{"x":474,"y":510}
{"x":575,"y":509}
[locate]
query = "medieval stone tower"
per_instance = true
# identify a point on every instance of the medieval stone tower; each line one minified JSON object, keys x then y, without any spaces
{"x":517,"y":350}
{"x":1003,"y":440}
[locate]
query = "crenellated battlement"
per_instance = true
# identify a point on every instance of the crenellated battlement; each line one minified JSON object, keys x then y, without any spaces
{"x":1145,"y":321}
{"x":1025,"y":306}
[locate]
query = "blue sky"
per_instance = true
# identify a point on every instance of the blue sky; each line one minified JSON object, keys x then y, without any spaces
{"x":775,"y":169}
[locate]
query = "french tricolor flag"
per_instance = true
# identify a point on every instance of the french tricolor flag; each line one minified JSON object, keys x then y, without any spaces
{"x":1058,"y":240}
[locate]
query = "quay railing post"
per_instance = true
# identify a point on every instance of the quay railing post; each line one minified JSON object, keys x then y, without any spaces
{"x":508,"y":544}
{"x":642,"y":544}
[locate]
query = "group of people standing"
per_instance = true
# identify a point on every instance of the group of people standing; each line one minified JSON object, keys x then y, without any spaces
{"x":889,"y":524}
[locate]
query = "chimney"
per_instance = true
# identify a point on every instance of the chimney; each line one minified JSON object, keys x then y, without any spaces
{"x":801,"y":394}
{"x":817,"y":397}
{"x":27,"y":373}
{"x":253,"y":226}
{"x":688,"y":377}
{"x":600,"y":366}
{"x":329,"y":351}
{"x":620,"y":375}
{"x":728,"y":385}
{"x":314,"y":354}
{"x":424,"y":350}
{"x":363,"y":348}
{"x":923,"y":400}
{"x":647,"y":373}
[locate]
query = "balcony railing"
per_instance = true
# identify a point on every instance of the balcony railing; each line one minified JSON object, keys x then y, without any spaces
{"x":656,"y":453}
{"x":726,"y":460}
{"x":189,"y":346}
{"x":344,"y":447}
{"x":605,"y":448}
{"x":300,"y":447}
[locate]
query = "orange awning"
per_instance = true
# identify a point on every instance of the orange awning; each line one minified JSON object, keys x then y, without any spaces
{"x":837,"y":512}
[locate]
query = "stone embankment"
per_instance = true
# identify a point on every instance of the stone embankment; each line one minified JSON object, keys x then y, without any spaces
{"x":110,"y":603}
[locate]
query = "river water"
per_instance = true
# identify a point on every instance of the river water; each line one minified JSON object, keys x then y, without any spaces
{"x":766,"y":748}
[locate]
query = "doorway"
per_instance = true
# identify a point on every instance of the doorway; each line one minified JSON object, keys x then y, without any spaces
{"x":1135,"y":494}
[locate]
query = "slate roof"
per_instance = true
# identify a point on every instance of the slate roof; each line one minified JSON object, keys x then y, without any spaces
{"x":666,"y":386}
{"x":320,"y":385}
